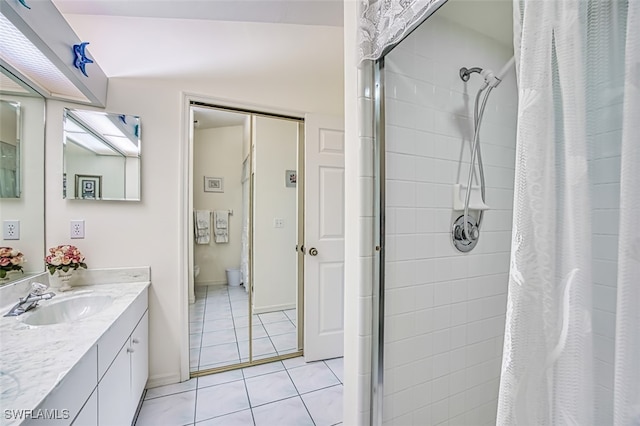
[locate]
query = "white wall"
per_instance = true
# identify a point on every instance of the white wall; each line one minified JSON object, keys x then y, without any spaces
{"x":81,"y":161}
{"x":274,"y":257}
{"x":444,"y":310}
{"x":218,"y":153}
{"x":29,"y":208}
{"x":149,"y":232}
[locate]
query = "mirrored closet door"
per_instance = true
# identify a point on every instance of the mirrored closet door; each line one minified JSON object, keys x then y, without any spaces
{"x":246,"y":200}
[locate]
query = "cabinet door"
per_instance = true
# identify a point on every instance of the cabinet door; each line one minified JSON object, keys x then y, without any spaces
{"x":114,"y":392}
{"x":139,"y":360}
{"x":88,"y":416}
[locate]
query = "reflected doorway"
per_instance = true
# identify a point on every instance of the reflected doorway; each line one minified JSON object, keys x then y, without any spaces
{"x":246,"y":288}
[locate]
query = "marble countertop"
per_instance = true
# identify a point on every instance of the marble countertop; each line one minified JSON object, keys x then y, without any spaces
{"x":35,"y":359}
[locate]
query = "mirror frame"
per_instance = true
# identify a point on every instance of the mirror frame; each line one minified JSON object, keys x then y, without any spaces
{"x":117,"y":137}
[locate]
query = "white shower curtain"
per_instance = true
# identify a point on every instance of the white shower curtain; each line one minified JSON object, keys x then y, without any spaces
{"x":570,"y":55}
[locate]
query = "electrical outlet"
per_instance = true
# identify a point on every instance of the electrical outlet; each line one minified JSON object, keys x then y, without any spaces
{"x":77,"y":229}
{"x":11,"y":230}
{"x":278,"y":223}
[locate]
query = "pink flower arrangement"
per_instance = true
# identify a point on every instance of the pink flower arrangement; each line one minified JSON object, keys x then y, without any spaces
{"x":10,"y":260}
{"x":64,"y":258}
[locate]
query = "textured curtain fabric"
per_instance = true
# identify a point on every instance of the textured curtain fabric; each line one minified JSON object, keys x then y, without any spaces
{"x":571,"y":56}
{"x":384,"y":23}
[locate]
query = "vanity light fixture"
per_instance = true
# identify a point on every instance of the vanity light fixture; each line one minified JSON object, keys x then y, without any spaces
{"x":37,"y":45}
{"x":81,"y":59}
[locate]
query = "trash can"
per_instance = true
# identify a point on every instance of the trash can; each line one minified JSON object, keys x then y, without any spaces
{"x":233,"y":277}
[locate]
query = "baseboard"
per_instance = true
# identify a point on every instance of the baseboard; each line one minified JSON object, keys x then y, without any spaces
{"x":163,"y":379}
{"x":273,"y":308}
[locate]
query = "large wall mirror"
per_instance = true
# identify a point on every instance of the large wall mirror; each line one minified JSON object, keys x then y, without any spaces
{"x":10,"y":128}
{"x":101,"y":156}
{"x":245,"y":302}
{"x":22,"y":114}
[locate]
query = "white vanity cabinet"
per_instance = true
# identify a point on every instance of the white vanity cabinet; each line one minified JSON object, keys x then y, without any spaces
{"x":106,"y":385}
{"x":125,"y":374}
{"x":121,"y":387}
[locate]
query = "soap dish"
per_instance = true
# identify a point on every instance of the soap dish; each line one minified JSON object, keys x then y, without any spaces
{"x":475,"y":201}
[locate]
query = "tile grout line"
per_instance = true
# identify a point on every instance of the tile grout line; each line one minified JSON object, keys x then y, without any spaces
{"x":233,"y":321}
{"x":300,"y":396}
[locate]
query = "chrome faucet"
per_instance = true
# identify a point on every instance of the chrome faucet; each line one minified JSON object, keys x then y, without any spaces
{"x":31,"y":300}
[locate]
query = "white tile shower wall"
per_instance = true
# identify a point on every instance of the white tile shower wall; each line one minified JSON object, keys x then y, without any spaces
{"x":444,"y":310}
{"x":604,"y":127}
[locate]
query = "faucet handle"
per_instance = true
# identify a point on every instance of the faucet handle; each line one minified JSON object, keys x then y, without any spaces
{"x":38,"y":288}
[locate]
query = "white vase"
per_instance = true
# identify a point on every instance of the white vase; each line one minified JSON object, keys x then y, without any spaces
{"x":61,"y":280}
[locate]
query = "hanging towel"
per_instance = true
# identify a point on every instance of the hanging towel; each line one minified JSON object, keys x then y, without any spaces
{"x":202,"y":224}
{"x":221,"y":226}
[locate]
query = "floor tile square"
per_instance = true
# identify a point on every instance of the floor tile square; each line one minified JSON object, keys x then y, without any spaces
{"x":196,"y":327}
{"x":219,"y":378}
{"x":219,"y":353}
{"x":294,"y":362}
{"x":259,"y":370}
{"x":159,"y":391}
{"x":273,"y":317}
{"x":214,"y":401}
{"x":280,"y":327}
{"x":195,"y":340}
{"x":337,"y":366}
{"x":325,"y":405}
{"x":269,"y":388}
{"x":292,"y":314}
{"x":257,"y":332}
{"x":241,"y":418}
{"x":313,"y":377}
{"x":177,"y":409}
{"x":288,"y":412}
{"x":211,"y":338}
{"x":285,"y":343}
{"x":261,"y":346}
{"x":217,"y":325}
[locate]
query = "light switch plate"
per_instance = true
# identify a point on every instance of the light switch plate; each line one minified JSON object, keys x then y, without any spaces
{"x":11,"y":230}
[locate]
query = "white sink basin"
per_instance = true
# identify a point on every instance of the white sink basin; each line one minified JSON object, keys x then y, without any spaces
{"x":67,"y":310}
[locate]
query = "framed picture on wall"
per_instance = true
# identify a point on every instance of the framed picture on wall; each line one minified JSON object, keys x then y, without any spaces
{"x":291,"y":178}
{"x":88,"y":187}
{"x":213,"y":184}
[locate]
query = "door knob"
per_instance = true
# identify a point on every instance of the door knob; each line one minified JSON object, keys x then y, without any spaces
{"x":313,"y":251}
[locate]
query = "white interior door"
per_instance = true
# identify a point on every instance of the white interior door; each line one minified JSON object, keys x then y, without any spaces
{"x":324,"y":237}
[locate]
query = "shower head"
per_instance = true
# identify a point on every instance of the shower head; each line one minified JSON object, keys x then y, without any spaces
{"x":465,"y":73}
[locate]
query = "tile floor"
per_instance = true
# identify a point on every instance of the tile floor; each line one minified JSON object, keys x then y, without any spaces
{"x":282,"y":393}
{"x":219,"y":329}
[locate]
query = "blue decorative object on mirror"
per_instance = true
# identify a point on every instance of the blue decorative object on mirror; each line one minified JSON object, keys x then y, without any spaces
{"x":24,"y":3}
{"x":81,"y":59}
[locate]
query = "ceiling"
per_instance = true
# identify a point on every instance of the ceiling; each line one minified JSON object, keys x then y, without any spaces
{"x":215,"y":39}
{"x":301,"y":12}
{"x":208,"y":118}
{"x":493,"y":18}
